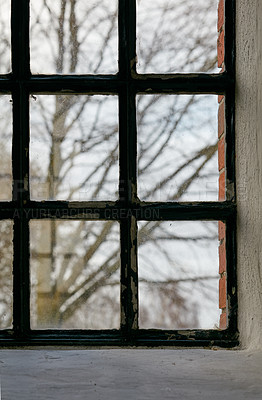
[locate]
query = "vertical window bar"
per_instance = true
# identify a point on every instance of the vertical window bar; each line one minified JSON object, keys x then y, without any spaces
{"x":128,"y":226}
{"x":231,"y":275}
{"x":129,"y":278}
{"x":127,"y":37}
{"x":230,"y":37}
{"x":128,"y":178}
{"x":20,"y":163}
{"x":230,"y":163}
{"x":230,"y":98}
{"x":21,"y":276}
{"x":20,"y":38}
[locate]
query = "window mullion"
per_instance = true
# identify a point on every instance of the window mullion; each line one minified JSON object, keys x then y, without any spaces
{"x":229,"y":61}
{"x":129,"y":278}
{"x":128,"y":178}
{"x":231,"y":275}
{"x":21,"y":276}
{"x":20,"y":38}
{"x":127,"y":194}
{"x":229,"y":46}
{"x":20,"y":164}
{"x":127,"y":37}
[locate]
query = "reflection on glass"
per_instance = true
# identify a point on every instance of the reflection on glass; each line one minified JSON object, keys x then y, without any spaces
{"x":6,"y":274}
{"x":177,"y":36}
{"x":74,"y":147}
{"x":6,"y":147}
{"x":74,"y":275}
{"x":74,"y":37}
{"x":177,"y":147}
{"x":178,"y":268}
{"x":5,"y":36}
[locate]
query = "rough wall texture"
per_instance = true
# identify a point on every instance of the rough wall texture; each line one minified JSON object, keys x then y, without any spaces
{"x":249,"y":169}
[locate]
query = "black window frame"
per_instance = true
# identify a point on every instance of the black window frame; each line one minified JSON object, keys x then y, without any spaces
{"x":129,"y":209}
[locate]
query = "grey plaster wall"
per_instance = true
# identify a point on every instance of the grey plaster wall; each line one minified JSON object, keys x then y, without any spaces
{"x":249,"y":169}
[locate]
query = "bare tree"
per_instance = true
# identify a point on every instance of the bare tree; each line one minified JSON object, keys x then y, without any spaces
{"x":74,"y":156}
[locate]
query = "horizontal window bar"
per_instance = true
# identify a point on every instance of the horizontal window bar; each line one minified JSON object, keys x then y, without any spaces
{"x":150,"y":338}
{"x":144,"y":83}
{"x":117,"y":211}
{"x":183,"y":83}
{"x":186,"y":211}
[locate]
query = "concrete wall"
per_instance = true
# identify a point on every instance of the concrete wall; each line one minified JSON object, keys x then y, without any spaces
{"x":249,"y":169}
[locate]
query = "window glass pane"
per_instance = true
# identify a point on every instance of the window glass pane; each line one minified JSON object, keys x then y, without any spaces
{"x":74,"y":36}
{"x":74,"y":274}
{"x":6,"y":274}
{"x":178,"y":275}
{"x":177,"y":147}
{"x":6,"y":147}
{"x":5,"y":36}
{"x":177,"y":36}
{"x":74,"y":147}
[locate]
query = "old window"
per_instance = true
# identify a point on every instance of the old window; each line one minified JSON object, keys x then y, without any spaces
{"x":115,"y":190}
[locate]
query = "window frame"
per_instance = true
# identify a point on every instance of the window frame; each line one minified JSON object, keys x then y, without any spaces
{"x":128,"y":209}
